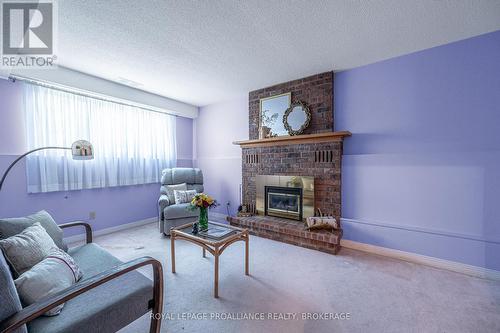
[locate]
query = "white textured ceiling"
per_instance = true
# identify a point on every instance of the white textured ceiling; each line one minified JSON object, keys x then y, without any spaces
{"x":201,"y":52}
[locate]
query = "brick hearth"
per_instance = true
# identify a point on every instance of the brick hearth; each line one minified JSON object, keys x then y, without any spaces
{"x":289,"y":231}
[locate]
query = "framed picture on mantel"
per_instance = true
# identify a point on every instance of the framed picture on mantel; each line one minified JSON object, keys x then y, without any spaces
{"x":271,"y":114}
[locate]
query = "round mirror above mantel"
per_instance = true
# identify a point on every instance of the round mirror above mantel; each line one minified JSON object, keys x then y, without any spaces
{"x":297,"y":118}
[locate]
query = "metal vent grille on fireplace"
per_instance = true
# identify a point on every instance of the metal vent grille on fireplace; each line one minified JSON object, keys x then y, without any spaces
{"x":323,"y":156}
{"x":252,"y":158}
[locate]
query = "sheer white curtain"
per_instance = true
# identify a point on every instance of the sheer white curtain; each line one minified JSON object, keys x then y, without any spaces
{"x":131,"y":145}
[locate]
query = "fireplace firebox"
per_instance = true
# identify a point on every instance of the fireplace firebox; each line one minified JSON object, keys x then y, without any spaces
{"x":283,"y":202}
{"x":290,"y":197}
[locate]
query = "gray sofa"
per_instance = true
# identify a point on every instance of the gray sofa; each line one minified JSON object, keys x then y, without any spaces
{"x":170,"y":214}
{"x":110,"y":295}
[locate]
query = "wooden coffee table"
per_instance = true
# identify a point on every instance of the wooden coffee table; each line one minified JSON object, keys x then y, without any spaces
{"x":214,"y":246}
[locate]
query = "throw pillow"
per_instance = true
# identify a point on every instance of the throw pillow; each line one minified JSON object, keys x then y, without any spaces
{"x":184,"y":196}
{"x":171,"y":188}
{"x":9,"y":298}
{"x":12,"y":226}
{"x":53,"y":274}
{"x":27,"y":248}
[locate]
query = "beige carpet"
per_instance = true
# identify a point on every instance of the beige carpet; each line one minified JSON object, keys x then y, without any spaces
{"x":380,"y":294}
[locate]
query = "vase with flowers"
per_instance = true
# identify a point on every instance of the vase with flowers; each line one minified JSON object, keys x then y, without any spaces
{"x":203,"y":202}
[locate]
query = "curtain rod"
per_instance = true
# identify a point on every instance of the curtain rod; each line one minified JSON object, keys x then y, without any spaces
{"x":89,"y":94}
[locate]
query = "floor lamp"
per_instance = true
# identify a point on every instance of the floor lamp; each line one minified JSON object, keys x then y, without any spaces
{"x":81,"y":150}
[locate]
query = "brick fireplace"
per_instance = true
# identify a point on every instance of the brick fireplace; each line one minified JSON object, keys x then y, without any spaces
{"x":316,"y":155}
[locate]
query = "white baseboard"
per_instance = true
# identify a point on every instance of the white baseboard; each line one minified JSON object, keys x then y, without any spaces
{"x":81,"y":237}
{"x":453,"y":266}
{"x":449,"y":265}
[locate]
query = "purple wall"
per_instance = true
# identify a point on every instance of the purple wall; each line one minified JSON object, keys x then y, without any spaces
{"x":421,"y":172}
{"x":184,"y":131}
{"x":422,"y":169}
{"x":113,"y":206}
{"x":217,"y":126}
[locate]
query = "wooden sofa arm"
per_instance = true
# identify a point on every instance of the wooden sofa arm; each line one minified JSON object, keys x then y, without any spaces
{"x":37,"y":309}
{"x":88,"y":228}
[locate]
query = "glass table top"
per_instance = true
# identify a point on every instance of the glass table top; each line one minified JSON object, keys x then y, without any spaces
{"x":216,"y":231}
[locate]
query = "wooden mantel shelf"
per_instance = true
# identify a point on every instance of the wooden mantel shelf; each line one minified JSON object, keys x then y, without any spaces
{"x":294,"y":140}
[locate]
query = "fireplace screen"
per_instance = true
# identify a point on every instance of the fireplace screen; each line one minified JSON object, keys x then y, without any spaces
{"x":283,"y":202}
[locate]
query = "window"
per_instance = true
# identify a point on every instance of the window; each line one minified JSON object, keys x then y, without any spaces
{"x":131,"y":145}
